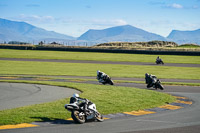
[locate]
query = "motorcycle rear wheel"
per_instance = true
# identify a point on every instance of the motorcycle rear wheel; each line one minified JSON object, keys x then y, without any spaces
{"x":77,"y":118}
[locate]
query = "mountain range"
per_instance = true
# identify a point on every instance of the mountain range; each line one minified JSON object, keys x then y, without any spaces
{"x":24,"y":32}
{"x":126,"y":33}
{"x":183,"y":37}
{"x":21,"y":31}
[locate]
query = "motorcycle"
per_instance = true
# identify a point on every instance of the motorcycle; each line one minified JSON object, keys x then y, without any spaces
{"x":153,"y":82}
{"x":105,"y":80}
{"x":160,"y":61}
{"x":158,"y":85}
{"x":78,"y":115}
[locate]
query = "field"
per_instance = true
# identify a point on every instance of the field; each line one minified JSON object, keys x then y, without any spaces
{"x":36,"y":54}
{"x":86,"y":69}
{"x":109,"y":99}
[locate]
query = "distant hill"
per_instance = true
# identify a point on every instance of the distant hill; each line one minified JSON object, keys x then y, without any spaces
{"x":21,"y":31}
{"x":183,"y":37}
{"x":24,"y":32}
{"x":126,"y":33}
{"x":139,"y":44}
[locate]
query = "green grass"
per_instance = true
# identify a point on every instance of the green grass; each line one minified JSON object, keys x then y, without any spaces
{"x":36,"y":54}
{"x":108,"y":99}
{"x":189,"y":46}
{"x":78,"y":69}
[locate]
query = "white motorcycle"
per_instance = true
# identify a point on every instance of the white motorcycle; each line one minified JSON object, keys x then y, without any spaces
{"x":78,"y":115}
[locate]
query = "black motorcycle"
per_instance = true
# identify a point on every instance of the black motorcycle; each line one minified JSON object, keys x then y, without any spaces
{"x":78,"y":115}
{"x":159,"y":61}
{"x":158,"y":85}
{"x":152,"y":81}
{"x":105,"y":80}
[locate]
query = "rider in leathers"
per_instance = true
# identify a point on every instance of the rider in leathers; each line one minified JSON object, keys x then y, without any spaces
{"x":101,"y":76}
{"x":150,"y":80}
{"x":158,"y":59}
{"x":80,"y":101}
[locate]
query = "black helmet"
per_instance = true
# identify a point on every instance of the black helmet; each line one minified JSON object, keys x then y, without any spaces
{"x":146,"y":74}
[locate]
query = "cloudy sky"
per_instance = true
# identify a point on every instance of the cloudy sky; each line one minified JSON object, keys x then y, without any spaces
{"x":74,"y":17}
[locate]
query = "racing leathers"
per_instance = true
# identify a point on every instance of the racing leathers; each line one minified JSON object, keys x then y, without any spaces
{"x":150,"y":80}
{"x":81,"y":102}
{"x":101,"y":76}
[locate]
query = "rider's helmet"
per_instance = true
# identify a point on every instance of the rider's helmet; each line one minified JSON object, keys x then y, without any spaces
{"x":146,"y":74}
{"x":98,"y":71}
{"x":75,"y":95}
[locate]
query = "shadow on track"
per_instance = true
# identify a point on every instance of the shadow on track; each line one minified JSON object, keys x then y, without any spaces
{"x":53,"y":120}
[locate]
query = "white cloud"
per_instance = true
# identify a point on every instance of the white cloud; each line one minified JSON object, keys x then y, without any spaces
{"x":175,"y":6}
{"x":107,"y":22}
{"x":92,"y":22}
{"x":120,"y":22}
{"x":35,"y":18}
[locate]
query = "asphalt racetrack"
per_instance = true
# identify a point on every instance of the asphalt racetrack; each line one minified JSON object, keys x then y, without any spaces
{"x":13,"y":95}
{"x":185,"y":120}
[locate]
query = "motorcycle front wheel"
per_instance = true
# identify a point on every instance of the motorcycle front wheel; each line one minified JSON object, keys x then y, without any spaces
{"x":160,"y":87}
{"x":110,"y":81}
{"x":77,"y":117}
{"x":99,"y":117}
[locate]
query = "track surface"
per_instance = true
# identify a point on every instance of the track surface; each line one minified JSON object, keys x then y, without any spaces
{"x":13,"y":95}
{"x":184,"y":120}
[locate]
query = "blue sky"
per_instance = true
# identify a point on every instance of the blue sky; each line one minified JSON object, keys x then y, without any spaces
{"x":74,"y":17}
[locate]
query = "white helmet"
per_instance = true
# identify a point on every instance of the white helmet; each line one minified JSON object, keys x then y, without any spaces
{"x":75,"y":95}
{"x":98,"y":72}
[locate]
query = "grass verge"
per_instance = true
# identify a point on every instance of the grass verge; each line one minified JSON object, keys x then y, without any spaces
{"x":109,"y":99}
{"x":37,"y":54}
{"x":87,"y":69}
